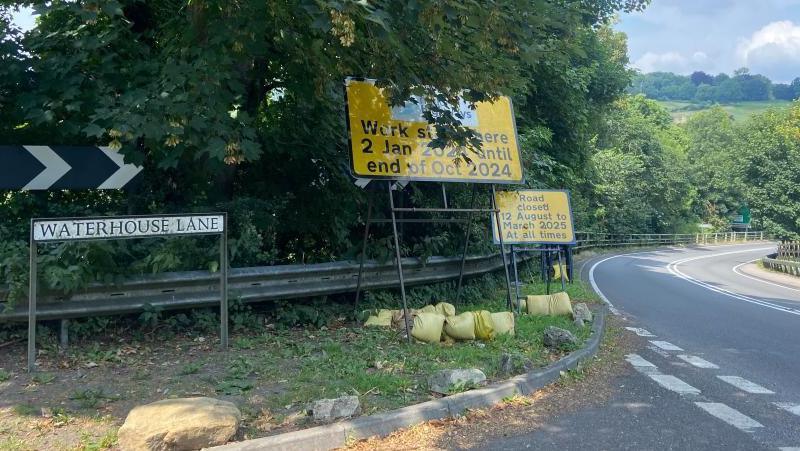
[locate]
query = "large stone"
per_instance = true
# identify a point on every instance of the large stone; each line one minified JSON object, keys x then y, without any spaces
{"x":581,"y":312}
{"x":331,"y":409}
{"x":555,"y":337}
{"x":453,"y":381}
{"x":179,"y":424}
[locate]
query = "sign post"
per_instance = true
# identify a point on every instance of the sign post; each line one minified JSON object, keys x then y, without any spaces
{"x":394,"y":144}
{"x":55,"y":230}
{"x":528,"y":217}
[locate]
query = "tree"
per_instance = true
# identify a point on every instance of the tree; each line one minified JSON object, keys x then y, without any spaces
{"x":770,"y":170}
{"x":782,"y":91}
{"x":713,"y":158}
{"x":639,"y":149}
{"x":237,"y":106}
{"x":753,"y":87}
{"x":699,"y":77}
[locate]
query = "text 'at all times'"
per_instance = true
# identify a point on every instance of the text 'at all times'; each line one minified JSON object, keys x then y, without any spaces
{"x":379,"y":142}
{"x":534,"y":221}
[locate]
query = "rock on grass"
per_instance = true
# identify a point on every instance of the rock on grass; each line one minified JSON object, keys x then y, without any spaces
{"x":179,"y":424}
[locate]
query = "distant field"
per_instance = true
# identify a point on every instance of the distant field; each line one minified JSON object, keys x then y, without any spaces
{"x":740,"y":111}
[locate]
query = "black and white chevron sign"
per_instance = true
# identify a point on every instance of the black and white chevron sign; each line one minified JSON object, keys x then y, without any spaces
{"x":63,"y":167}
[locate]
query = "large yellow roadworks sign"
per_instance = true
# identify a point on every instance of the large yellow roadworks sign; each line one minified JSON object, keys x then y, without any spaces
{"x":393,"y":142}
{"x":534,"y":217}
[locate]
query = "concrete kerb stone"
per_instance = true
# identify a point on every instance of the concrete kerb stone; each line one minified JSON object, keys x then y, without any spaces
{"x":382,"y":424}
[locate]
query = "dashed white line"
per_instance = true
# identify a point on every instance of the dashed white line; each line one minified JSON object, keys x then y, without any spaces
{"x":640,"y":332}
{"x":672,"y":383}
{"x":746,"y":386}
{"x":789,"y":448}
{"x":730,"y":415}
{"x":789,"y":407}
{"x":697,"y":361}
{"x":665,"y":345}
{"x":637,"y":360}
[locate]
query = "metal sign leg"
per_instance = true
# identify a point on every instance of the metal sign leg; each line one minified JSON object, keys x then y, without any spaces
{"x":223,"y":286}
{"x":502,"y":248}
{"x":466,"y":244}
{"x":561,"y":271}
{"x":399,"y":262}
{"x":363,"y":252}
{"x":516,"y":277}
{"x":32,"y":306}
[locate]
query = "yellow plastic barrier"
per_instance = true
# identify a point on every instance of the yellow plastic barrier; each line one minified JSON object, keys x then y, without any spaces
{"x":445,"y":308}
{"x":484,"y":326}
{"x":382,"y":319}
{"x":428,"y":327}
{"x":503,"y":323}
{"x":460,"y":327}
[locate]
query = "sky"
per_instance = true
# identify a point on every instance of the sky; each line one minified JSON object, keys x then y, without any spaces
{"x":715,"y":36}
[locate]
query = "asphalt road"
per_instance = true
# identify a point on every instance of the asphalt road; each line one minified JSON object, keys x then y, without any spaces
{"x":718,"y":365}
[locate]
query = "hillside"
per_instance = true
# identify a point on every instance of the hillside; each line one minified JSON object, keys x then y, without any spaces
{"x":681,"y":110}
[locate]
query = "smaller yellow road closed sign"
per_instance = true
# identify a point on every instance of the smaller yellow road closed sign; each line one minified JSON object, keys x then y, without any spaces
{"x":394,"y":142}
{"x":534,"y":217}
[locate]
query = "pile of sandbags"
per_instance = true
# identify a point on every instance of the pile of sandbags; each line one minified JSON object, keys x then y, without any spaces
{"x":434,"y":323}
{"x":548,"y":304}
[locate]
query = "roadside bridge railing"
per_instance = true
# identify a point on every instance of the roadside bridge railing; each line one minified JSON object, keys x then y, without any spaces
{"x":192,"y":289}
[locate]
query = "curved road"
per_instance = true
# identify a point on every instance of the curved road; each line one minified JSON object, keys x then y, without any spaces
{"x":716,"y":364}
{"x":738,"y":334}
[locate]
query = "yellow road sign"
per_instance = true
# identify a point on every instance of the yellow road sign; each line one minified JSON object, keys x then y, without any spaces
{"x":392,"y":142}
{"x":534,"y":217}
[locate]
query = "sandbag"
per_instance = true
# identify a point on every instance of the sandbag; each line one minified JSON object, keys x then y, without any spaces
{"x":554,"y":305}
{"x":558,"y":271}
{"x":427,"y":309}
{"x":503,"y":323}
{"x":560,"y":305}
{"x":382,"y":319}
{"x":523,"y":305}
{"x":460,"y":327}
{"x":538,"y":304}
{"x":428,"y":327}
{"x":484,"y":326}
{"x":446,"y":309}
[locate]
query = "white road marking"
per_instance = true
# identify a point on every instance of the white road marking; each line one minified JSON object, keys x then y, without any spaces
{"x":789,"y":407}
{"x":730,"y":415}
{"x":672,"y":383}
{"x":665,"y":345}
{"x":673,"y":268}
{"x":697,"y":361}
{"x":789,"y":448}
{"x":637,"y":360}
{"x":746,"y":386}
{"x":658,"y":351}
{"x":597,"y":290}
{"x":657,"y":252}
{"x":640,"y":332}
{"x":757,"y":279}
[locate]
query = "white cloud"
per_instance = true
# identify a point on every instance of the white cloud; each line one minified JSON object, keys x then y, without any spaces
{"x":671,"y":62}
{"x":775,"y":48}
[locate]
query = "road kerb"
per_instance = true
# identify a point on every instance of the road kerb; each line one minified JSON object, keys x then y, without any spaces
{"x":337,"y":435}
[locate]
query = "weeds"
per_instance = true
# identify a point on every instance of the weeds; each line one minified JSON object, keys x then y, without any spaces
{"x":190,"y":368}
